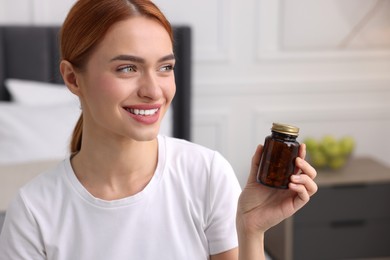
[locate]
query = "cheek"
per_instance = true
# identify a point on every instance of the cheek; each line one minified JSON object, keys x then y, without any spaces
{"x":104,"y":88}
{"x":169,"y":89}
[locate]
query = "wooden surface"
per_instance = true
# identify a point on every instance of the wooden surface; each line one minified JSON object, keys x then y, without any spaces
{"x":357,"y":171}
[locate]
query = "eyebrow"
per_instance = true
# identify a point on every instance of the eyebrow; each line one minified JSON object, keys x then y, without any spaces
{"x":133,"y":58}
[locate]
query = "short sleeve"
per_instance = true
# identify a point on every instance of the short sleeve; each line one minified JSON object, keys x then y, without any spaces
{"x":20,"y":236}
{"x":224,"y":191}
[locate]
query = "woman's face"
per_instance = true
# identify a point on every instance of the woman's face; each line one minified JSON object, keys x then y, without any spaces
{"x":128,"y":83}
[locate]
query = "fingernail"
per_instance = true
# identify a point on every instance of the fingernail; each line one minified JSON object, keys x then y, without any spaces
{"x":296,"y":177}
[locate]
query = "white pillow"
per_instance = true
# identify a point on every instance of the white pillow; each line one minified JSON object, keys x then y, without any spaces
{"x":38,"y":93}
{"x":29,"y":133}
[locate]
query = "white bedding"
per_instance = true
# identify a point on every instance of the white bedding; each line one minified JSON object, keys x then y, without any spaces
{"x":38,"y":93}
{"x":29,"y":133}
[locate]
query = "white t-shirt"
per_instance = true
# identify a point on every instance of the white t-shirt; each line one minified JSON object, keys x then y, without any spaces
{"x":187,"y":211}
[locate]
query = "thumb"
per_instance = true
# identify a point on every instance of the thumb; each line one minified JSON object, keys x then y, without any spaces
{"x":255,"y":164}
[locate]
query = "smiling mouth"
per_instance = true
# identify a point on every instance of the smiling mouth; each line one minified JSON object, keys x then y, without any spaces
{"x":142,"y":112}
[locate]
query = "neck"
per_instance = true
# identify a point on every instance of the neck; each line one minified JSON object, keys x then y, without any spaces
{"x":113,"y":170}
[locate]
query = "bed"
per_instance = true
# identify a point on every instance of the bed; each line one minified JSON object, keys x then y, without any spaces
{"x":37,"y":112}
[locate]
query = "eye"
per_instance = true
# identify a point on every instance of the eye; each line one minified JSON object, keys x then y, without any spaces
{"x":168,"y":67}
{"x":127,"y":69}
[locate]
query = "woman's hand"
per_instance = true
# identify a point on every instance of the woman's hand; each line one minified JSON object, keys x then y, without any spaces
{"x":261,"y":207}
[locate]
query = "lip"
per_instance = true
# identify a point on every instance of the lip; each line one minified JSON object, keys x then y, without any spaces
{"x":141,"y":117}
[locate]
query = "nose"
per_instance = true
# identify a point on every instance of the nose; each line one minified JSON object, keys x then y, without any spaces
{"x":149,"y":87}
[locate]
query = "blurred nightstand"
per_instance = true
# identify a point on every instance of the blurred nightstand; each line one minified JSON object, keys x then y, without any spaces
{"x":349,"y":217}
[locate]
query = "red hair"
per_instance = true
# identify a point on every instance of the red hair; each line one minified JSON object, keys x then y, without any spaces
{"x":86,"y":25}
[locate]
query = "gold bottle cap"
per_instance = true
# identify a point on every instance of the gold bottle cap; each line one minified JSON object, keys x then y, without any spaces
{"x":285,"y":129}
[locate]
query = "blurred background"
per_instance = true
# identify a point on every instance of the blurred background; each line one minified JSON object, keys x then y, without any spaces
{"x":321,"y":65}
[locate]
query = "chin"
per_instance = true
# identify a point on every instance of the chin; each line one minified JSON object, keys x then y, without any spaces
{"x":146,"y":136}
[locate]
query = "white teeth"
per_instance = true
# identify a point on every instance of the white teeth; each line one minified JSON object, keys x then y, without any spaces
{"x":143,"y":112}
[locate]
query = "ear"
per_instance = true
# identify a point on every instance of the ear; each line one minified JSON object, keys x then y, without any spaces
{"x":69,"y":75}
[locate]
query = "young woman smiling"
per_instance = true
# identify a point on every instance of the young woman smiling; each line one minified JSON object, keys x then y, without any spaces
{"x":127,"y":192}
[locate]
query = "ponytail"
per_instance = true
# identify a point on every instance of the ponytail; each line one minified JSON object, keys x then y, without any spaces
{"x":75,"y":143}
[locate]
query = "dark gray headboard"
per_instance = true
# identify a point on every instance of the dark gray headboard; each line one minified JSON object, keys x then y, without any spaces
{"x":32,"y":53}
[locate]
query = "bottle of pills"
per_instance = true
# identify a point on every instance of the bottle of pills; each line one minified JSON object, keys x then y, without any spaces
{"x":277,"y":162}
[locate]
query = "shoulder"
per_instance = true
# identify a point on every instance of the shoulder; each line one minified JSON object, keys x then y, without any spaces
{"x":191,"y":157}
{"x":37,"y":197}
{"x":48,"y":177}
{"x":30,"y":212}
{"x":45,"y":187}
{"x":196,"y":160}
{"x":181,"y":148}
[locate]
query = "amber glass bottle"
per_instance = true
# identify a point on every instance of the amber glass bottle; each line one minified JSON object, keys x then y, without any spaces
{"x":277,"y":161}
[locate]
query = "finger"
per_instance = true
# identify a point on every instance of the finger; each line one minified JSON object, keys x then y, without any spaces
{"x":305,"y":167}
{"x":306,"y":181}
{"x":255,"y":164}
{"x":301,"y":154}
{"x":302,"y":195}
{"x":302,"y":151}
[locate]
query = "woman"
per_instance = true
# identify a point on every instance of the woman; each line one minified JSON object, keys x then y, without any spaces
{"x":127,"y":192}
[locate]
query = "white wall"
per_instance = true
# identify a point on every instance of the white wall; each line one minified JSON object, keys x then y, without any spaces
{"x":322,"y":65}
